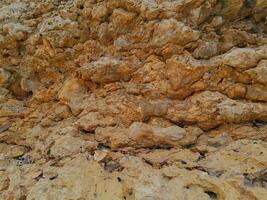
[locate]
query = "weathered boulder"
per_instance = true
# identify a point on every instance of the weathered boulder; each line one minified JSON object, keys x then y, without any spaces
{"x":172,"y":31}
{"x":143,"y":135}
{"x":242,"y":58}
{"x":146,"y":135}
{"x":72,"y":93}
{"x":93,"y":120}
{"x":107,"y":70}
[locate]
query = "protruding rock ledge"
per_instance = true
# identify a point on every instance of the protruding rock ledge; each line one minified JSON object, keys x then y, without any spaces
{"x":144,"y":135}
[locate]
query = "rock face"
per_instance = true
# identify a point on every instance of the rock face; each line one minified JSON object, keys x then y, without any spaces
{"x":133,"y":99}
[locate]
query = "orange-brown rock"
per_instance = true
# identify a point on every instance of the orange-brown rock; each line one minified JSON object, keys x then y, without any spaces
{"x":133,"y":99}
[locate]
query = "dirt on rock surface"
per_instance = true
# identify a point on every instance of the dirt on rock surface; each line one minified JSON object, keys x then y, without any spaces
{"x":133,"y":99}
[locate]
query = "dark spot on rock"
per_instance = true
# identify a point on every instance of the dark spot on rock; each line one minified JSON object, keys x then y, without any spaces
{"x":211,"y":194}
{"x":119,"y":179}
{"x":81,"y":7}
{"x":183,"y":162}
{"x":39,"y":177}
{"x":53,"y":177}
{"x":112,"y":166}
{"x":216,"y":173}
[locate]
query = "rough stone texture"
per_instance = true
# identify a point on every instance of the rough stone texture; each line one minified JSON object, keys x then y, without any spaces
{"x":133,"y":99}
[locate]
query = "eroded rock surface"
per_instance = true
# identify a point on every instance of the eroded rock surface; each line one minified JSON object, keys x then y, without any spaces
{"x":133,"y":100}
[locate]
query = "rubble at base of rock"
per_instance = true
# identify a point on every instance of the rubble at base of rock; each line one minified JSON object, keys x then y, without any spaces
{"x":133,"y":100}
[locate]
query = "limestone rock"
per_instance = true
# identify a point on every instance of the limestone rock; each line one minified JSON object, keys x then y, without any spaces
{"x":107,"y":70}
{"x":184,"y":70}
{"x":243,"y":58}
{"x":181,"y":157}
{"x":99,"y":12}
{"x":146,"y":135}
{"x":68,"y":145}
{"x":55,"y":22}
{"x":122,"y":18}
{"x":113,"y":137}
{"x":133,"y":99}
{"x":214,"y":110}
{"x":232,"y":8}
{"x":206,"y":50}
{"x":256,"y":92}
{"x":91,"y":176}
{"x":259,"y":73}
{"x":143,"y":135}
{"x":172,"y":31}
{"x":93,"y":120}
{"x":238,"y":160}
{"x":72,"y":93}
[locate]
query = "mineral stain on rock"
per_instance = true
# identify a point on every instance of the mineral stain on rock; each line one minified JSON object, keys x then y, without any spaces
{"x":133,"y":99}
